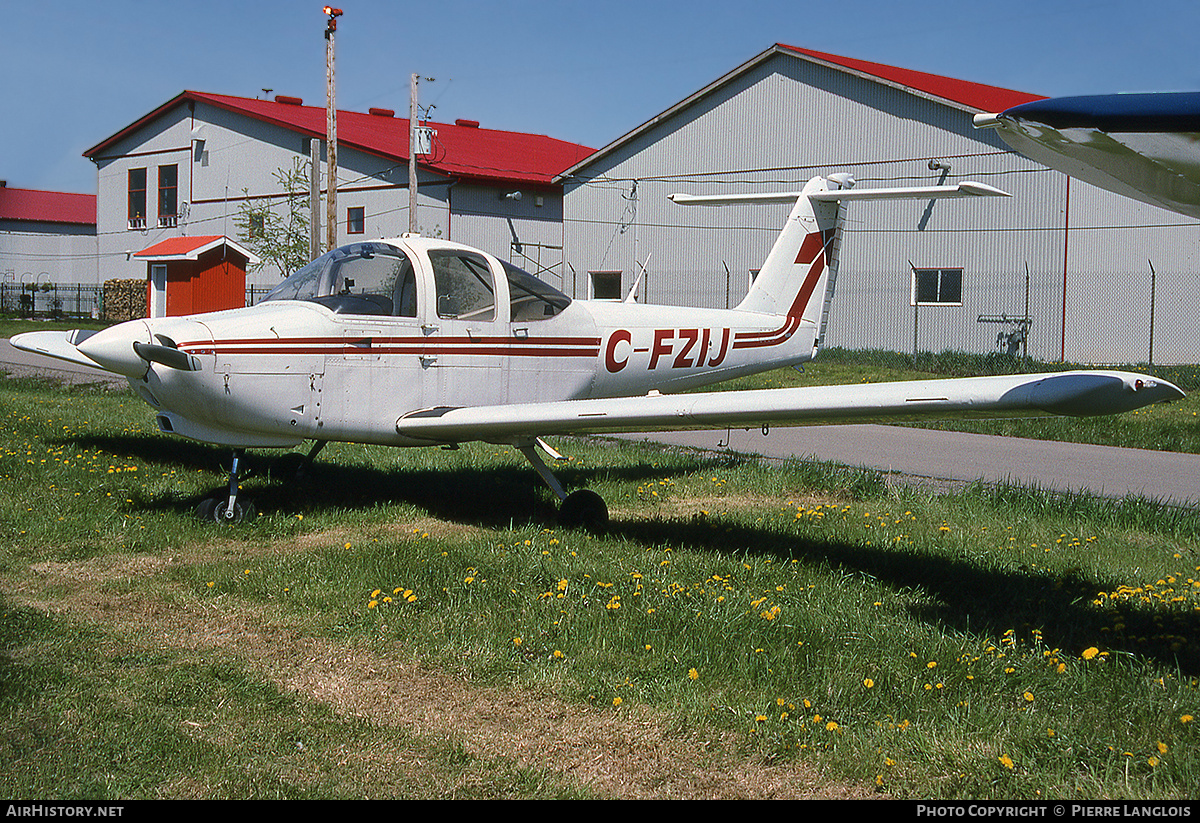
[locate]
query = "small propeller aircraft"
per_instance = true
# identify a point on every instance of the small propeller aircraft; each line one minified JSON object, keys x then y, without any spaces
{"x":1144,"y":146}
{"x":414,"y":341}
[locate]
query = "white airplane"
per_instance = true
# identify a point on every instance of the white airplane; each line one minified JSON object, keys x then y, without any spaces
{"x":414,"y":341}
{"x":1144,"y":146}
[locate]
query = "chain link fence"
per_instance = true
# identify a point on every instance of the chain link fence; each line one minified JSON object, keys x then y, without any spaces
{"x":54,"y":301}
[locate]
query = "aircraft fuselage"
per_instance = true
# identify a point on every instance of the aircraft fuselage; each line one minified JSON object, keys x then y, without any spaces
{"x":287,"y":370}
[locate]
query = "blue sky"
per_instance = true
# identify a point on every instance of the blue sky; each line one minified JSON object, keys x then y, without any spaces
{"x":77,"y":71}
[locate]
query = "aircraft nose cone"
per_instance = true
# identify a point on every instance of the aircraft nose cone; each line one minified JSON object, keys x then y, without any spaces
{"x":112,"y":348}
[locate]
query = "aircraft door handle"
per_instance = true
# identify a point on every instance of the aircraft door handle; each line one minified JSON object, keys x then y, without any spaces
{"x":428,"y":360}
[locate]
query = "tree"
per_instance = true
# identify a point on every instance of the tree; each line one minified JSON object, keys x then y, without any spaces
{"x":275,"y":227}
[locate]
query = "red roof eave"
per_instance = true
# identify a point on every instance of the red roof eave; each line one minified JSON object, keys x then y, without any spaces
{"x":47,"y":206}
{"x":978,"y":96}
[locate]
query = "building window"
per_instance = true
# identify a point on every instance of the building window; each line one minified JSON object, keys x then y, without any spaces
{"x":937,"y":287}
{"x":137,"y":198}
{"x":356,"y":221}
{"x":168,"y":196}
{"x":606,"y":285}
{"x":256,"y":226}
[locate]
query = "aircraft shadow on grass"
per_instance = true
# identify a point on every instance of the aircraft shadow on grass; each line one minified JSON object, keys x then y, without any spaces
{"x":961,"y":595}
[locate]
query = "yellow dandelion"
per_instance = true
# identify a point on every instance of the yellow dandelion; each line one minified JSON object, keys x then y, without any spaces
{"x":516,"y":641}
{"x":693,"y":674}
{"x":617,"y":701}
{"x":1162,"y":747}
{"x":1028,"y":697}
{"x":1089,"y":653}
{"x":1006,"y":761}
{"x":869,"y":683}
{"x":1186,"y":718}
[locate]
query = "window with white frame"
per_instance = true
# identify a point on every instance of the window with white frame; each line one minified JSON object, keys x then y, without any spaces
{"x":168,"y":196}
{"x":137,"y":198}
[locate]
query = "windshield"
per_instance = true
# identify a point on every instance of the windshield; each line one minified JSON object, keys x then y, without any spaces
{"x":362,"y":278}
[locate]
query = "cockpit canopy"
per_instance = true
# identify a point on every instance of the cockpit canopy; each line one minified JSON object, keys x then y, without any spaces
{"x":378,"y":279}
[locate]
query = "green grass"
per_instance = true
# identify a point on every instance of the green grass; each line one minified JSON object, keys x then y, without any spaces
{"x":996,"y":643}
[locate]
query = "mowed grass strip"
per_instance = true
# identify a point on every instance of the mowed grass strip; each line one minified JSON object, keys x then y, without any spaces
{"x":743,"y":629}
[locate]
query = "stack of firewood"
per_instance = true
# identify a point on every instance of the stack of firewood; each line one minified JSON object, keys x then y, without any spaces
{"x":124,"y":300}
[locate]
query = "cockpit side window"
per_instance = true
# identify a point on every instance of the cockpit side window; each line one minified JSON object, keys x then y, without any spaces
{"x":530,"y":298}
{"x":465,"y":288}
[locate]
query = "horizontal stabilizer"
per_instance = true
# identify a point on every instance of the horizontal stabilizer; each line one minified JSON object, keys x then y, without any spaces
{"x":1067,"y":393}
{"x":966,"y":188}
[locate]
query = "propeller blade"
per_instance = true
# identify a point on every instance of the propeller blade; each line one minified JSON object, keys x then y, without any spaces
{"x":167,"y":356}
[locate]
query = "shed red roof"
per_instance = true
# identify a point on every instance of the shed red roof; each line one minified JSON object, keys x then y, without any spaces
{"x":47,"y":206}
{"x":461,"y":149}
{"x":975,"y":95}
{"x":189,"y":248}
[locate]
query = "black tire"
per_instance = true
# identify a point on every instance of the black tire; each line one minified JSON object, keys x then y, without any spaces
{"x":584,"y":509}
{"x":204,"y":509}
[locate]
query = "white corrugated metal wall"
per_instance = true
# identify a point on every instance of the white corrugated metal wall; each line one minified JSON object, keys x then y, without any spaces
{"x":784,"y":119}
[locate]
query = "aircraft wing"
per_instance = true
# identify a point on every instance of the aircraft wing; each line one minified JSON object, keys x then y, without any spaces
{"x":1144,"y":146}
{"x":1065,"y":393}
{"x":60,"y":345}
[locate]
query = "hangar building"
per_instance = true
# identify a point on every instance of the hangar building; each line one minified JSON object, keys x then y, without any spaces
{"x":1089,"y":273}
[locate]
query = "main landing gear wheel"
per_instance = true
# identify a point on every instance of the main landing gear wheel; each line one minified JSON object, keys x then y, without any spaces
{"x":583,"y":509}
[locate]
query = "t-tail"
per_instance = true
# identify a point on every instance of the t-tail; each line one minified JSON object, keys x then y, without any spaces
{"x":798,"y":277}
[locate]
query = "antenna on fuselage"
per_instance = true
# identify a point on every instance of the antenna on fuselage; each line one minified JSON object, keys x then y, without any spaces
{"x":633,"y":291}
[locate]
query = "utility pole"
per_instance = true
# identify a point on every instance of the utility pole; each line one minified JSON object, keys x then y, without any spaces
{"x":314,"y":200}
{"x":330,"y":131}
{"x":412,"y":155}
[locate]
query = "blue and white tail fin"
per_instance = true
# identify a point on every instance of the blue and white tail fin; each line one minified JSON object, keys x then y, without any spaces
{"x":797,"y":279}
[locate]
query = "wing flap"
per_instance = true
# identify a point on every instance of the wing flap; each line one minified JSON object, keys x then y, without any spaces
{"x":1065,"y":393}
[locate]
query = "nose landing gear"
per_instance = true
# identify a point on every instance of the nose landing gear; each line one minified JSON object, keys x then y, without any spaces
{"x":228,"y":508}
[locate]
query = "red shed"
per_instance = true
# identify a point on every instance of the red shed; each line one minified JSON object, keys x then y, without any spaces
{"x":189,"y":275}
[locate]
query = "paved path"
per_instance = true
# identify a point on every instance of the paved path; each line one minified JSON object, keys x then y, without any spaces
{"x":951,"y":457}
{"x":963,"y":458}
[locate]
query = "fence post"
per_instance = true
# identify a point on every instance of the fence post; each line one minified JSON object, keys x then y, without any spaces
{"x":1153,"y":278}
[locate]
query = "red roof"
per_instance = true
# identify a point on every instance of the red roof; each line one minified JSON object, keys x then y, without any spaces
{"x":47,"y":206}
{"x":461,"y":149}
{"x":974,"y":95}
{"x":189,"y":248}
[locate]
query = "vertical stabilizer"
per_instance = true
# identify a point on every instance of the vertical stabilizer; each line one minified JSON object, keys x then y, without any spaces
{"x":797,"y":277}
